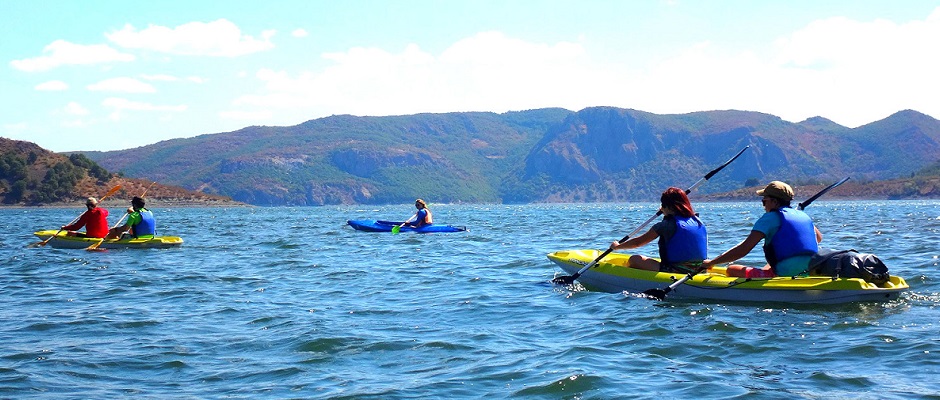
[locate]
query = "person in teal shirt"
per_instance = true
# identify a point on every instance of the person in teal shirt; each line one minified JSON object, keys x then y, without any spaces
{"x":140,"y":223}
{"x":789,"y":235}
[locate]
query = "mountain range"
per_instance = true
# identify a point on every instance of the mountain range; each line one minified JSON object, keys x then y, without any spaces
{"x":542,"y":155}
{"x":595,"y":154}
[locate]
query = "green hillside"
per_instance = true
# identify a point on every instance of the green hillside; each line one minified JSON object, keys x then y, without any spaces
{"x":31,"y":175}
{"x":457,"y":157}
{"x":596,"y":154}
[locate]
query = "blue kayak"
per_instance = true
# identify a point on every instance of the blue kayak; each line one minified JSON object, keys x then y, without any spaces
{"x":371,"y":225}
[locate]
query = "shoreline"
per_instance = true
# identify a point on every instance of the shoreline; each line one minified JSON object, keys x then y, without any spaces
{"x":126,"y":203}
{"x":231,"y":204}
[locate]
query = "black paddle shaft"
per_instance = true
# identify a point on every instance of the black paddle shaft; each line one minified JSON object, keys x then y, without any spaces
{"x":822,"y":192}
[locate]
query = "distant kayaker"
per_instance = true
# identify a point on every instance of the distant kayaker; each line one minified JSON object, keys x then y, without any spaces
{"x":683,"y":239}
{"x":790,"y":237}
{"x":422,"y":217}
{"x":140,"y":222}
{"x":94,"y":219}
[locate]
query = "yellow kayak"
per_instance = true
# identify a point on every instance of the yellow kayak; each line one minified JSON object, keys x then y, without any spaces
{"x":63,"y":241}
{"x":614,"y":275}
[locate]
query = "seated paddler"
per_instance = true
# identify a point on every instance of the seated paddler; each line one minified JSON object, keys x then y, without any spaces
{"x":683,"y":239}
{"x":140,"y":223}
{"x":95,"y":221}
{"x":422,"y":217}
{"x":789,"y":235}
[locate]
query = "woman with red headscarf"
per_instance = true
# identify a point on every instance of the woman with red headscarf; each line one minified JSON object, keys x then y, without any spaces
{"x":683,"y":239}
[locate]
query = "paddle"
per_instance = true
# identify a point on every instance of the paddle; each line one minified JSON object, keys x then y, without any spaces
{"x":660,"y":294}
{"x":821,"y":192}
{"x":44,"y":242}
{"x":567,"y":280}
{"x":396,"y":229}
{"x":95,"y":245}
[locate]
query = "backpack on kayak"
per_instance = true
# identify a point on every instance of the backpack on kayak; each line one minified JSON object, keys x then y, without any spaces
{"x":849,"y":264}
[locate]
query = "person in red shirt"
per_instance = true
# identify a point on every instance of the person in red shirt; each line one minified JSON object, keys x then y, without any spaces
{"x":95,"y":221}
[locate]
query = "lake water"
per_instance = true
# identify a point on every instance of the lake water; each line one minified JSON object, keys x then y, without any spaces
{"x":292,"y":303}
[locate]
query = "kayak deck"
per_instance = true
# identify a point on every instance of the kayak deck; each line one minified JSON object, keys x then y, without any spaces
{"x":63,"y":241}
{"x":371,"y":225}
{"x":614,"y":275}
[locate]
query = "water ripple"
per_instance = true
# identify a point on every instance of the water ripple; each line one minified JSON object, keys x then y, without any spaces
{"x":312,"y":309}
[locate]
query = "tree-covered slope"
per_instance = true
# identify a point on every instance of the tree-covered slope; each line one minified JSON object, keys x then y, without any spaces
{"x":595,"y":154}
{"x":31,"y":175}
{"x":455,"y":157}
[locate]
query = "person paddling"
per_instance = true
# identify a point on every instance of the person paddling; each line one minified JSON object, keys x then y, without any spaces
{"x":422,"y":217}
{"x":683,"y":239}
{"x":94,"y":220}
{"x":789,"y":235}
{"x":140,"y":222}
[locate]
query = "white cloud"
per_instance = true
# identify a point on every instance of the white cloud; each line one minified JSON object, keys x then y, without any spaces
{"x":119,"y":105}
{"x":159,"y":77}
{"x":52,"y":86}
{"x":124,"y":85}
{"x":16,"y":127}
{"x":246,"y":115}
{"x":171,"y":78}
{"x":484,"y":72}
{"x":849,"y":71}
{"x":299,"y":33}
{"x":73,"y":108}
{"x":61,"y":52}
{"x":125,"y":104}
{"x":220,"y":38}
{"x":75,"y":123}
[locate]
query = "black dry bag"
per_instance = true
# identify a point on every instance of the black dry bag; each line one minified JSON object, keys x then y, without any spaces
{"x":849,"y":264}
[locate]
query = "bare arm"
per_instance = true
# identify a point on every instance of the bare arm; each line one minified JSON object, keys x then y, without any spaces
{"x":638,"y":241}
{"x":736,"y":252}
{"x":116,"y":231}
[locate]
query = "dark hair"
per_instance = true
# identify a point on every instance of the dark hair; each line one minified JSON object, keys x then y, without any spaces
{"x":676,"y":199}
{"x":137,"y":202}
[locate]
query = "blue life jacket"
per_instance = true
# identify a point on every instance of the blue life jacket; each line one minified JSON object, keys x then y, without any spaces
{"x":419,"y":217}
{"x":795,"y":237}
{"x":147,"y":225}
{"x":690,"y":242}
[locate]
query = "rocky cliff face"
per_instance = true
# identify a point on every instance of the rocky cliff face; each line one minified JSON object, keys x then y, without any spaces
{"x":366,"y":162}
{"x":605,"y":153}
{"x":592,"y":144}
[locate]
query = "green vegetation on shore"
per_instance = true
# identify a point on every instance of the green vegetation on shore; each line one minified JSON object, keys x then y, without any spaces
{"x":33,"y":176}
{"x":598,"y":154}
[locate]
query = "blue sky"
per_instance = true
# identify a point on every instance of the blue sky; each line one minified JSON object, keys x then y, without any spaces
{"x":108,"y":75}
